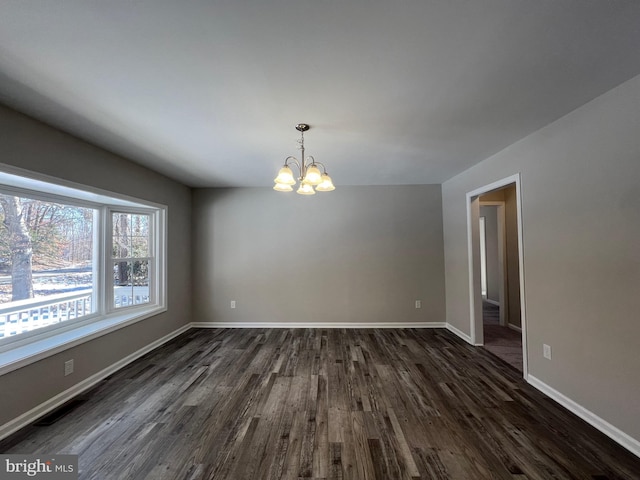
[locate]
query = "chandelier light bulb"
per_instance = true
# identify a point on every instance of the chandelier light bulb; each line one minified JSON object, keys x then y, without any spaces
{"x":285,"y":177}
{"x":305,"y":189}
{"x":313,"y":176}
{"x":326,"y":185}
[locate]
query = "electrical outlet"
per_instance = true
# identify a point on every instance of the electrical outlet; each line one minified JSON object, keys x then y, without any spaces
{"x":418,"y":303}
{"x":68,"y":367}
{"x":546,"y":351}
{"x":233,"y":304}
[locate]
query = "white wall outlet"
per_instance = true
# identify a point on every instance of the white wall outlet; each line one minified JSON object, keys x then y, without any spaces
{"x":418,"y":303}
{"x":546,"y":351}
{"x":68,"y":367}
{"x":233,"y":304}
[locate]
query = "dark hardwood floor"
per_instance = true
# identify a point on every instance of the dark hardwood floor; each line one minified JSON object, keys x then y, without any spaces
{"x":323,"y":404}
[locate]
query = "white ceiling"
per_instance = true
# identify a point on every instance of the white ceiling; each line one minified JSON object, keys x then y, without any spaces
{"x":396,"y":92}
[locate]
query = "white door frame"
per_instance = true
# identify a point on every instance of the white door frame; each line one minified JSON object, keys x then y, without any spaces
{"x":473,"y":247}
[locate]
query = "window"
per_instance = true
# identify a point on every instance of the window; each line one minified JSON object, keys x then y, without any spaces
{"x":72,"y":257}
{"x":46,"y":263}
{"x":132,"y":257}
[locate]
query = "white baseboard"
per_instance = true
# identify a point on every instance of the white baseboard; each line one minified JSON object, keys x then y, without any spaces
{"x":63,"y":397}
{"x":492,"y":302}
{"x":316,"y":325}
{"x":591,"y":418}
{"x":513,"y":327}
{"x":459,"y":333}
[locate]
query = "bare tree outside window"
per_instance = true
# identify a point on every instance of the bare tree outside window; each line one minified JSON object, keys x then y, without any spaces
{"x":19,"y":245}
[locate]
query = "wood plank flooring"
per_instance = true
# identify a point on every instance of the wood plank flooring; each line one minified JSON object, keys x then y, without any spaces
{"x":323,"y":404}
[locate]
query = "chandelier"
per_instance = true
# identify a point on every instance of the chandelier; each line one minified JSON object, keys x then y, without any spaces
{"x":310,"y":175}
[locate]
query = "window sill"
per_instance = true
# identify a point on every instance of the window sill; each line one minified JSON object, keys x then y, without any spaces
{"x":32,"y":352}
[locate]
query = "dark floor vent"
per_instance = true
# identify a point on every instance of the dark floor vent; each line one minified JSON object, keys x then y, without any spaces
{"x":60,"y":412}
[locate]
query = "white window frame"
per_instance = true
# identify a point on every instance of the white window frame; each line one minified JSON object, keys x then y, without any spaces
{"x":19,"y":350}
{"x":154,"y":294}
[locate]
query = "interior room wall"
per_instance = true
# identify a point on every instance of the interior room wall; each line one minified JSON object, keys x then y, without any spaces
{"x":493,"y":196}
{"x":490,"y":214}
{"x":355,"y":255}
{"x":32,"y":145}
{"x":512,"y":272}
{"x":580,"y":193}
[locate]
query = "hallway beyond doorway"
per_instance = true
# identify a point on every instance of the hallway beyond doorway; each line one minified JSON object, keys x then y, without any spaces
{"x":501,"y":341}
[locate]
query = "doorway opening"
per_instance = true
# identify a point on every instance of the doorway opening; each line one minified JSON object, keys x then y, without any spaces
{"x":496,"y":277}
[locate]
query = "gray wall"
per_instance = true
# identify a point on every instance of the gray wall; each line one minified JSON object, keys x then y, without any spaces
{"x":29,"y":144}
{"x":490,"y":214}
{"x":581,"y":216}
{"x":358,"y":254}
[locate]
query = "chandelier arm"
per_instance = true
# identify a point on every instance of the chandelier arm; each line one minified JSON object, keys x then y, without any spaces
{"x":324,"y":169}
{"x":294,"y":160}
